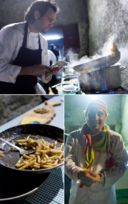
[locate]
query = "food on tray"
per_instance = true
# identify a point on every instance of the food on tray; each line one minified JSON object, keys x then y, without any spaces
{"x":41,"y":110}
{"x":45,"y":154}
{"x":43,"y":115}
{"x":45,"y":109}
{"x":52,"y":103}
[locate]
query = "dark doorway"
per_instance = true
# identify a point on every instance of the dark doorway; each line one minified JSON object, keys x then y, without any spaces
{"x":71,"y":37}
{"x":65,"y":37}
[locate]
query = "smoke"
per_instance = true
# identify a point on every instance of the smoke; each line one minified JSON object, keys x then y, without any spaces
{"x":110,"y":19}
{"x":108,"y":47}
{"x":84,"y":79}
{"x":124,"y":4}
{"x":124,"y":56}
{"x":94,"y":80}
{"x":74,"y":60}
{"x":108,"y":25}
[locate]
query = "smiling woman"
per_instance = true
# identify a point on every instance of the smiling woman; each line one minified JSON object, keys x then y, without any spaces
{"x":95,"y":155}
{"x":114,"y":106}
{"x":96,"y":115}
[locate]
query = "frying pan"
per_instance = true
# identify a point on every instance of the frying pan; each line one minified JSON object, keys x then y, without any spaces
{"x":48,"y":132}
{"x":99,"y":63}
{"x":15,"y":186}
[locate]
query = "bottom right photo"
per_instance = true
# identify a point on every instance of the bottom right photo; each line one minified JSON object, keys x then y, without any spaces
{"x":96,"y":149}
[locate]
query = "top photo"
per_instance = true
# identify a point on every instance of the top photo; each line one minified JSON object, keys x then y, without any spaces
{"x":63,"y":47}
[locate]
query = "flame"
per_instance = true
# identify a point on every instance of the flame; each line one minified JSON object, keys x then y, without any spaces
{"x":109,"y":47}
{"x":114,"y":48}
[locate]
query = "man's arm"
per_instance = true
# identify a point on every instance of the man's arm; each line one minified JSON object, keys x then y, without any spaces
{"x":8,"y":49}
{"x":35,"y":70}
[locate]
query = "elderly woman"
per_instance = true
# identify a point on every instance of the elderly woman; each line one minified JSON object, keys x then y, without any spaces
{"x":95,"y":158}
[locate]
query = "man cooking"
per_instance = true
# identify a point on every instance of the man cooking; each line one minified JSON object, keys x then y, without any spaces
{"x":95,"y":158}
{"x":23,"y":50}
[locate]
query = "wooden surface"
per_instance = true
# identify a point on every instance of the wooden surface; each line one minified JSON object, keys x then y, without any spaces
{"x":42,"y":118}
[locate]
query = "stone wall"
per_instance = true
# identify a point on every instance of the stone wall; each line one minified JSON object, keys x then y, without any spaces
{"x":109,"y":18}
{"x":12,"y":106}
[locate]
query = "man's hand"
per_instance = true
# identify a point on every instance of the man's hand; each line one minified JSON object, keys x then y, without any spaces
{"x":56,"y":70}
{"x":88,"y":177}
{"x":35,"y":70}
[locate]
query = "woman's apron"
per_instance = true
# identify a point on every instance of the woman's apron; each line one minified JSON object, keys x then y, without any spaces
{"x":25,"y":84}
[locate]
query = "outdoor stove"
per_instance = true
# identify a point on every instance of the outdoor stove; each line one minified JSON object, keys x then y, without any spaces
{"x":103,"y":80}
{"x":100,"y":75}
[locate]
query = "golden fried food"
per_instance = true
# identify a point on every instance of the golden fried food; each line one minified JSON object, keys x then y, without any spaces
{"x":45,"y":154}
{"x":41,"y":110}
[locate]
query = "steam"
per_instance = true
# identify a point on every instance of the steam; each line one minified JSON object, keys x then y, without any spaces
{"x":108,"y":49}
{"x":108,"y":26}
{"x":124,"y":56}
{"x":93,"y":80}
{"x":109,"y":46}
{"x":73,"y":59}
{"x":124,"y":4}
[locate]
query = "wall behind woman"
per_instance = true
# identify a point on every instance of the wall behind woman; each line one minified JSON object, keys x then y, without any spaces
{"x":124,"y":130}
{"x":75,"y":106}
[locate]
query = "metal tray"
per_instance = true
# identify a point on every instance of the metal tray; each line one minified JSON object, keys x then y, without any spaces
{"x":99,"y":63}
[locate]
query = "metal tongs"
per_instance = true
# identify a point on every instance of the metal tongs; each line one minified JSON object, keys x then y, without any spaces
{"x":21,"y":151}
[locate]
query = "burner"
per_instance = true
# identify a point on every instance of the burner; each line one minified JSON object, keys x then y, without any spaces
{"x":105,"y":80}
{"x":119,"y":90}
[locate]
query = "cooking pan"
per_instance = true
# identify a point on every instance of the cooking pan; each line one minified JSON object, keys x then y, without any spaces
{"x":15,"y":186}
{"x":99,"y":63}
{"x":48,"y":132}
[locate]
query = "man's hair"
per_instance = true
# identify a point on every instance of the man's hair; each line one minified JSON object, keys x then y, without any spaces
{"x":42,"y":6}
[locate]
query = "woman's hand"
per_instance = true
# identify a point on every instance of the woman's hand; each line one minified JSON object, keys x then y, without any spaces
{"x":92,"y":175}
{"x":88,"y":178}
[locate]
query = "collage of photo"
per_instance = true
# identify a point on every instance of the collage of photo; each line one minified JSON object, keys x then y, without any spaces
{"x":63,"y":102}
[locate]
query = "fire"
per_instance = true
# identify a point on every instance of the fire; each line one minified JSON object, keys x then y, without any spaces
{"x":109,"y":47}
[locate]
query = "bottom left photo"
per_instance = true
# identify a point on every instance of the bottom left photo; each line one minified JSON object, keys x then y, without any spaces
{"x":32,"y":149}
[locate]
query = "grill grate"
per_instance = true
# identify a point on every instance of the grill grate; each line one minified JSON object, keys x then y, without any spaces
{"x":51,"y":192}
